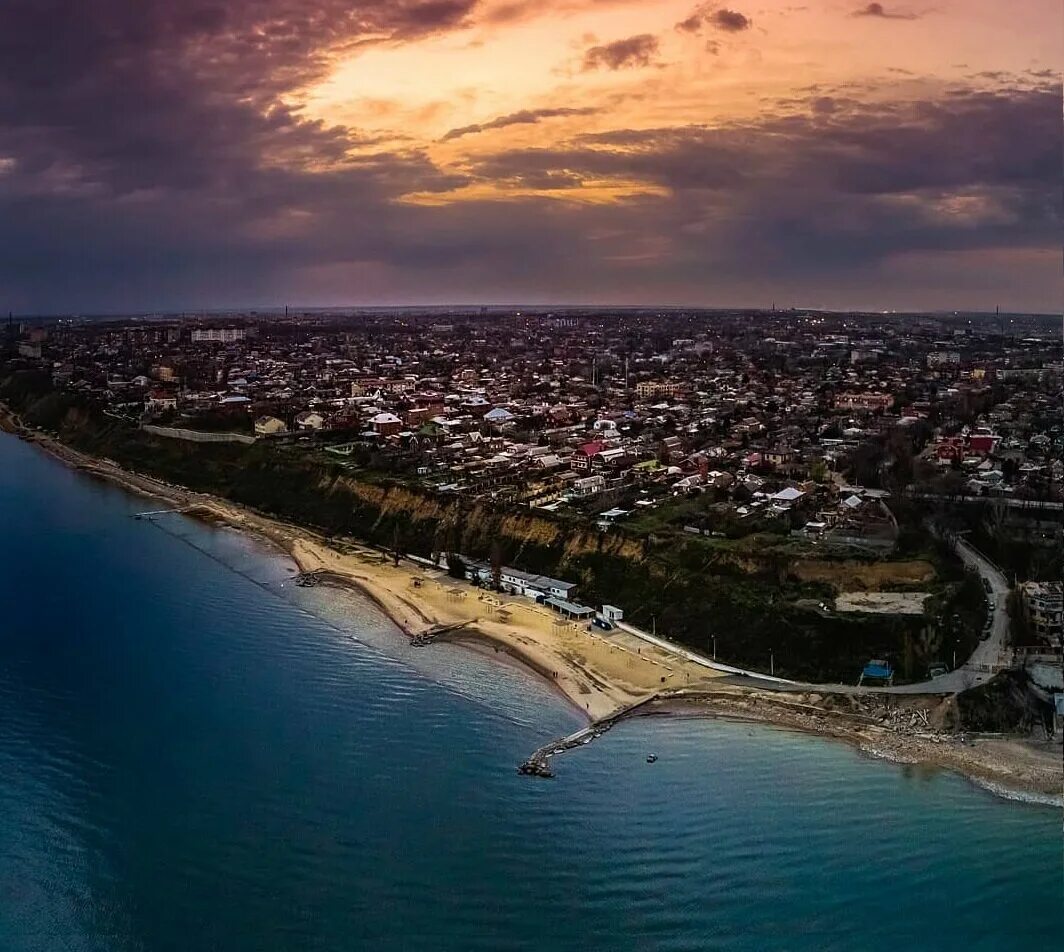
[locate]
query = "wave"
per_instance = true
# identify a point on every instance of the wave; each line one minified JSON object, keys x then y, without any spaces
{"x":1019,"y":796}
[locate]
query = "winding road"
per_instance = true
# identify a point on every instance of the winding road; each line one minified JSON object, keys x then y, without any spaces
{"x":989,"y":657}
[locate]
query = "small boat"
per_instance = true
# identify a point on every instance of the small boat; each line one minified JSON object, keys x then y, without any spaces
{"x":651,"y":758}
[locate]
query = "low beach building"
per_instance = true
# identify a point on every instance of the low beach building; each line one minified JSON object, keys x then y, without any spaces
{"x":524,"y":583}
{"x":569,"y":609}
{"x":515,"y":582}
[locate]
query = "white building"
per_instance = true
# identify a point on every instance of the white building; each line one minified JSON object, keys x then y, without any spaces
{"x":1043,"y":607}
{"x":221,"y":335}
{"x":943,"y":358}
{"x":524,"y":583}
{"x":269,"y":426}
{"x":589,"y":485}
{"x":310,"y":420}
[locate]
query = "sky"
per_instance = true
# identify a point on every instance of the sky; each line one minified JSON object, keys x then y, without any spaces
{"x":188,"y":154}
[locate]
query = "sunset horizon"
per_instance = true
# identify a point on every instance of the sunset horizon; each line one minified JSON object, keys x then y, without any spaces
{"x":835,"y":155}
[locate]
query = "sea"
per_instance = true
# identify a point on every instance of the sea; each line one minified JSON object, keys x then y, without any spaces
{"x":197,"y":754}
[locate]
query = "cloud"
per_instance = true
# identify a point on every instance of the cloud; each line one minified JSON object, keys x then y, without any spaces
{"x":168,"y":122}
{"x":831,"y":187}
{"x":729,"y":20}
{"x":523,"y":117}
{"x":630,"y":53}
{"x":156,"y":94}
{"x":719,"y":18}
{"x":879,"y":11}
{"x":519,"y":11}
{"x":691,"y":24}
{"x":148,"y":160}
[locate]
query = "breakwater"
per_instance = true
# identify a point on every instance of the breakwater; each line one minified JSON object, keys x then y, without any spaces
{"x":538,"y":764}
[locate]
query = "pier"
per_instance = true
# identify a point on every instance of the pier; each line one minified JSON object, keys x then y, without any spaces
{"x":538,"y":765}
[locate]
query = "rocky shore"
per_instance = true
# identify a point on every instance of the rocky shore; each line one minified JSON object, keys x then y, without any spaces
{"x":899,"y":729}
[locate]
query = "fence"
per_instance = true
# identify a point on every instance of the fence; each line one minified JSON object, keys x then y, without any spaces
{"x":196,"y":436}
{"x":693,"y":656}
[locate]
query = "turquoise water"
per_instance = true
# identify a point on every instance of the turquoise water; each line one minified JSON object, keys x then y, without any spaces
{"x":195,"y":754}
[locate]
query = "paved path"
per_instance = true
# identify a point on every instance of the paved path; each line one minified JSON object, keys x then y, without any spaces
{"x":695,"y":658}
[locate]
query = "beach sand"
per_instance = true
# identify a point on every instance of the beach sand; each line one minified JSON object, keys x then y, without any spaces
{"x":597,"y":673}
{"x":1013,"y":767}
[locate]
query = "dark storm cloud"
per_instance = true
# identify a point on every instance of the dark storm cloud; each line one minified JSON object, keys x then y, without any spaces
{"x":721,"y":18}
{"x":522,"y":117}
{"x":630,"y":53}
{"x":691,"y":24}
{"x":150,"y":138}
{"x":838,"y":182}
{"x":157,"y":93}
{"x":729,"y":20}
{"x":879,"y":11}
{"x":1004,"y":137}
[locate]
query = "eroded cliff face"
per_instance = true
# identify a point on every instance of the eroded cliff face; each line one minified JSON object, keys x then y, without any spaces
{"x":851,"y":575}
{"x":428,"y":523}
{"x":745,"y":598}
{"x":1005,"y":704}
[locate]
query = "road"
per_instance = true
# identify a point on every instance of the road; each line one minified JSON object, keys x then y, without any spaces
{"x":989,"y":656}
{"x":693,"y":656}
{"x":1010,"y":502}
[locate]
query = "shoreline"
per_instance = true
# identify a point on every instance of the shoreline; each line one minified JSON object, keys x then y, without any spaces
{"x":978,"y":759}
{"x":598,"y":678}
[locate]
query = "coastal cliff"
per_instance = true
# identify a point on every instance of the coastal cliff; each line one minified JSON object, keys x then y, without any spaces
{"x":752,"y":599}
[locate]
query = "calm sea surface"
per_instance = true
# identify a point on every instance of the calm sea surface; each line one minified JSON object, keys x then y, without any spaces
{"x":195,"y":754}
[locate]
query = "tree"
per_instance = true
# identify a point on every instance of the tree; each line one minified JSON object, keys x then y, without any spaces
{"x":496,"y":565}
{"x":455,"y":566}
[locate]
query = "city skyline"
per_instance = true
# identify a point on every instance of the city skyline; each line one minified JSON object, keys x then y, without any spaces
{"x":579,"y":152}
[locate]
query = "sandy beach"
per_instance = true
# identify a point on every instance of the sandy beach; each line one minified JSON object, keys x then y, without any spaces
{"x":599,"y":674}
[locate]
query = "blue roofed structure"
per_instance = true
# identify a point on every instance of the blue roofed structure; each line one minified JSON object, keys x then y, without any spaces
{"x":877,"y":670}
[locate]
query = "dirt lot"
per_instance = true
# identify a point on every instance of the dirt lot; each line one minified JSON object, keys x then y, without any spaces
{"x":851,"y":575}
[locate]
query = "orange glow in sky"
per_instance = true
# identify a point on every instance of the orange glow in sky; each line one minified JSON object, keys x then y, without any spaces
{"x":880,"y":154}
{"x":513,"y":57}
